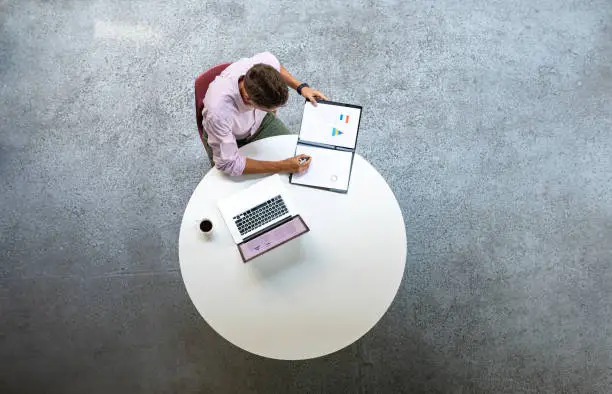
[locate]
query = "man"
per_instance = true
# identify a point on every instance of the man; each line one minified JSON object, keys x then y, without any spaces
{"x":240,"y":107}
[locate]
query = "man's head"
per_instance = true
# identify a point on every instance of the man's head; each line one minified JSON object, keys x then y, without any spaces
{"x":265,"y":87}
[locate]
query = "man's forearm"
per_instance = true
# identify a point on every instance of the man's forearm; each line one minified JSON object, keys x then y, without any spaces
{"x":288,"y":78}
{"x":253,"y":166}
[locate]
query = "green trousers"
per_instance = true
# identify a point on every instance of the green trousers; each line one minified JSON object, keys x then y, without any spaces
{"x":271,"y":126}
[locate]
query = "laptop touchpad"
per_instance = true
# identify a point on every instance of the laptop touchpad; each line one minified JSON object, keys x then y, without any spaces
{"x":272,"y":238}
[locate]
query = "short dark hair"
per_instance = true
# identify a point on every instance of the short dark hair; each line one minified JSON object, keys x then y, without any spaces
{"x":265,"y":86}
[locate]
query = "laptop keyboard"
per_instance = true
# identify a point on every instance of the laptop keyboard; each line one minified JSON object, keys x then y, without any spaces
{"x":258,"y":216}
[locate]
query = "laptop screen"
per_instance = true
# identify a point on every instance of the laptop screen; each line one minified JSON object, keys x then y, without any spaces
{"x":272,"y":238}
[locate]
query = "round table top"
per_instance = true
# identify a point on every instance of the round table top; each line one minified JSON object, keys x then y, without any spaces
{"x":313,"y":295}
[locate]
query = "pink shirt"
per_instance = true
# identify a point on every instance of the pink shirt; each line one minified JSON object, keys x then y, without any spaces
{"x":227,"y":117}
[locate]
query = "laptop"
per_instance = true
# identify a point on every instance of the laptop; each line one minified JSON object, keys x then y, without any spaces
{"x":261,"y":217}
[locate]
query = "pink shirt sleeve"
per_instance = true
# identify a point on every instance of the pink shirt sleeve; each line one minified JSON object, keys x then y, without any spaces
{"x":223,"y":143}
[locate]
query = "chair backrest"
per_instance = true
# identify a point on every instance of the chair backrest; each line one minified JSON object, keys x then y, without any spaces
{"x":201,"y":86}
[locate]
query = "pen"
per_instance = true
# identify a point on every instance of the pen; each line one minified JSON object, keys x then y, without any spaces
{"x":303,"y":160}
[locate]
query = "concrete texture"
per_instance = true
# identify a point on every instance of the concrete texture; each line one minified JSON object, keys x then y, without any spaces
{"x":491,"y":121}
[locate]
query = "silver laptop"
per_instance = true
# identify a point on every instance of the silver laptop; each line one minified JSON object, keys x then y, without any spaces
{"x":256,"y":209}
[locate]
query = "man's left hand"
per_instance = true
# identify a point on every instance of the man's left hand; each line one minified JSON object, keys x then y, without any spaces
{"x":312,"y":95}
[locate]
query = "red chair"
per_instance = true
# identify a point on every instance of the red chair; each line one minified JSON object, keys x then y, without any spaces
{"x":201,"y":86}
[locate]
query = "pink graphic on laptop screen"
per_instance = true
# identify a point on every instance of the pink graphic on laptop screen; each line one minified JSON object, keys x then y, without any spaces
{"x":273,"y":238}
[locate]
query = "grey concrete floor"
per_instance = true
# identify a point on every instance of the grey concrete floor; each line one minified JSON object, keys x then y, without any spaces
{"x":490,"y":120}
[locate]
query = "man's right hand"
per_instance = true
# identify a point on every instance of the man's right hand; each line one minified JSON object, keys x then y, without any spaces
{"x":292,"y":164}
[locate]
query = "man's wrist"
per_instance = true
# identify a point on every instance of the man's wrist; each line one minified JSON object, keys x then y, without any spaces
{"x":300,"y":87}
{"x":283,"y":166}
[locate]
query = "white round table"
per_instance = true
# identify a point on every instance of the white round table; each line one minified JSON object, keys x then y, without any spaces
{"x":313,"y":295}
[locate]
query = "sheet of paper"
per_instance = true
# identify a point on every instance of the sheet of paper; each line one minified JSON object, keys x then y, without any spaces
{"x":330,"y":124}
{"x":329,"y":168}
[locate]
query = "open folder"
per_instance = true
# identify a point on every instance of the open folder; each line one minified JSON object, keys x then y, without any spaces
{"x":329,"y":136}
